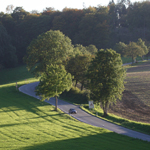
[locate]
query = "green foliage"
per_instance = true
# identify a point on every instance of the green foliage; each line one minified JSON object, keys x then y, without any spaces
{"x":102,"y":26}
{"x":75,"y":95}
{"x":19,"y":13}
{"x":68,"y":21}
{"x":78,"y":67}
{"x":133,"y":50}
{"x":28,"y":29}
{"x":106,"y":76}
{"x":93,"y":29}
{"x":142,"y":11}
{"x":92,"y":49}
{"x":120,"y":48}
{"x":143,"y":46}
{"x":49,"y":48}
{"x":83,"y":50}
{"x":8,"y":56}
{"x":53,"y":82}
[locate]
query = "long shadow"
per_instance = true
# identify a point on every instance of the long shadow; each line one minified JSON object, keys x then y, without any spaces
{"x":105,"y":141}
{"x":13,"y":75}
{"x":12,"y":97}
{"x":12,"y":101}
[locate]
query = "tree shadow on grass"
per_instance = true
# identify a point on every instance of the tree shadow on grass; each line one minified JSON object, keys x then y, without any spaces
{"x":104,"y":141}
{"x":12,"y":100}
{"x":13,"y":75}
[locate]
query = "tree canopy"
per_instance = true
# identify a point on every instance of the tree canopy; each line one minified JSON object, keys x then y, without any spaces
{"x":78,"y":67}
{"x":102,"y":26}
{"x":49,"y":48}
{"x":53,"y":82}
{"x":120,"y":48}
{"x":141,"y":43}
{"x":133,"y":50}
{"x":106,"y":75}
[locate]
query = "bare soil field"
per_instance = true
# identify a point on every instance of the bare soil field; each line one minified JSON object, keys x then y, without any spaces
{"x":135,"y":104}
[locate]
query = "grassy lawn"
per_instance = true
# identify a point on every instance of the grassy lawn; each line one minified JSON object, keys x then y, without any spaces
{"x":27,"y":123}
{"x":129,"y":59}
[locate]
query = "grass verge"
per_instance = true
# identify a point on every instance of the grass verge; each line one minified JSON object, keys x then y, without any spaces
{"x":97,"y":111}
{"x":137,"y":126}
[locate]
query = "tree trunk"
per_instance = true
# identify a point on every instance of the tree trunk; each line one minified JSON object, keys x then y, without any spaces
{"x":56,"y":103}
{"x":132,"y":60}
{"x":76,"y":83}
{"x":105,"y":109}
{"x":82,"y":86}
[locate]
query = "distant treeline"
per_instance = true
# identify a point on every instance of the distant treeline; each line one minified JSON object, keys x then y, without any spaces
{"x":102,"y":26}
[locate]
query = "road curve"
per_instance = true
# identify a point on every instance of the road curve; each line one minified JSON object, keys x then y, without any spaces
{"x":85,"y":117}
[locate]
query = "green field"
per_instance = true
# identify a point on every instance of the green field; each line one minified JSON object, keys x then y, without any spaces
{"x":129,"y":59}
{"x":27,"y":123}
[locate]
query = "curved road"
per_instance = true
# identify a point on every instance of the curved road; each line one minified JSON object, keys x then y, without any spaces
{"x":85,"y":117}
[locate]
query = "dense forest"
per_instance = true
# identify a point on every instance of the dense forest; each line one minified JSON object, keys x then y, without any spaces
{"x":102,"y":26}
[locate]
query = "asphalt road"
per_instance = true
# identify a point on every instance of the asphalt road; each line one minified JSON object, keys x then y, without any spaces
{"x":85,"y":117}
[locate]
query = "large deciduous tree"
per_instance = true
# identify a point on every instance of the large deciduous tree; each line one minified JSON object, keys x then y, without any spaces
{"x":49,"y":48}
{"x":53,"y":82}
{"x":106,"y":75}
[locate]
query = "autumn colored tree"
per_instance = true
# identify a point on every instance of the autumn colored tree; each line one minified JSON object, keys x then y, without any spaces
{"x":68,"y":21}
{"x":94,"y":29}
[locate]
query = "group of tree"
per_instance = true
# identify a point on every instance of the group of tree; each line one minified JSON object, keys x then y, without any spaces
{"x":102,"y":26}
{"x":53,"y":58}
{"x":57,"y":61}
{"x":133,"y":49}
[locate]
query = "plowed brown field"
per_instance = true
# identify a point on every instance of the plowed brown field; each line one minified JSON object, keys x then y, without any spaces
{"x":135,"y":104}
